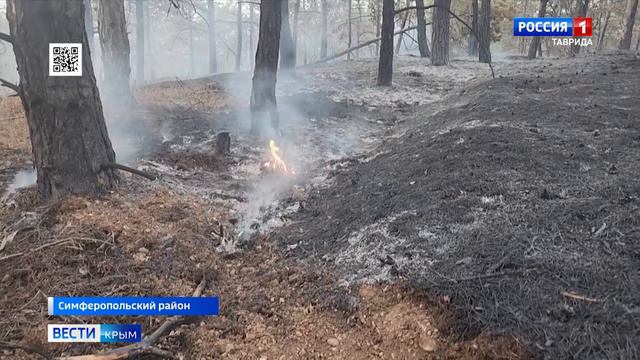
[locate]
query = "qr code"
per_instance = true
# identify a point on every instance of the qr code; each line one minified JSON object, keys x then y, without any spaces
{"x":65,"y":59}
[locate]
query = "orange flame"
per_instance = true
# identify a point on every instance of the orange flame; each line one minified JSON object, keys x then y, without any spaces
{"x":275,"y":162}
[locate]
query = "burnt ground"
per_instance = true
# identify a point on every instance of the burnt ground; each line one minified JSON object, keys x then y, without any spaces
{"x":438,"y":219}
{"x":519,"y":199}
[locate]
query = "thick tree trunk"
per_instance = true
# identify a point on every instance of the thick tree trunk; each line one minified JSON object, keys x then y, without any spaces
{"x":440,"y":33}
{"x":472,"y":48}
{"x":263,"y":90}
{"x":239,"y":36}
{"x":139,"y":42}
{"x":535,"y":42}
{"x":582,"y":7}
{"x":423,"y":44}
{"x":211,"y":20}
{"x":88,"y":24}
{"x":68,"y":133}
{"x":629,"y":20}
{"x":287,"y":49}
{"x":484,"y":32}
{"x":115,"y":52}
{"x":385,"y":63}
{"x":323,"y":28}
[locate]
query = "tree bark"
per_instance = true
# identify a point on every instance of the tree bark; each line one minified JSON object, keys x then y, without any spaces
{"x":323,"y":28}
{"x":296,"y":18}
{"x":66,"y":124}
{"x":535,"y":42}
{"x":88,"y":24}
{"x":115,"y":52}
{"x":211,"y":20}
{"x":239,"y":36}
{"x":287,"y":49}
{"x":440,"y":33}
{"x":484,"y":33}
{"x":472,"y":49}
{"x":263,"y":90}
{"x":385,"y":63}
{"x":423,"y":44}
{"x":582,"y":7}
{"x":629,"y":20}
{"x":139,"y":42}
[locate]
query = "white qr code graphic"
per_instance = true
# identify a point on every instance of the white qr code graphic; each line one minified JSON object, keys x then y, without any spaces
{"x":65,"y":59}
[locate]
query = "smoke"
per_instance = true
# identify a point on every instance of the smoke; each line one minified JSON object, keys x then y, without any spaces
{"x":22,"y":179}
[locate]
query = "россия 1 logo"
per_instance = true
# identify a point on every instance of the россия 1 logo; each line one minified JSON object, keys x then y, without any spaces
{"x":580,"y":29}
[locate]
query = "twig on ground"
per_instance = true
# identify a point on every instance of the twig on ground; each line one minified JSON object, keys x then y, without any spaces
{"x":575,"y":296}
{"x":30,"y":349}
{"x":486,"y":276}
{"x":53,"y":243}
{"x":146,"y":346}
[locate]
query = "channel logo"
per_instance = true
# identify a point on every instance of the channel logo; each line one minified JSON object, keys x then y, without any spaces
{"x":105,"y":333}
{"x":576,"y":27}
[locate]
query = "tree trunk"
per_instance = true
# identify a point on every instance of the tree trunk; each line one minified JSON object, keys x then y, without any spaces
{"x":67,"y":128}
{"x":423,"y":44}
{"x":604,"y":31}
{"x":148,"y":47}
{"x":139,"y":42}
{"x":535,"y":42}
{"x":472,"y":49}
{"x":405,"y":18}
{"x":296,"y":18}
{"x":263,"y":90}
{"x":440,"y":33}
{"x":192,"y":52}
{"x":582,"y":7}
{"x":114,"y":43}
{"x":484,"y":32}
{"x":211,"y":20}
{"x":239,"y":36}
{"x":629,"y":20}
{"x":385,"y":64}
{"x":323,"y":30}
{"x":251,"y":35}
{"x":378,"y":18}
{"x":88,"y":24}
{"x":350,"y":5}
{"x":287,"y":49}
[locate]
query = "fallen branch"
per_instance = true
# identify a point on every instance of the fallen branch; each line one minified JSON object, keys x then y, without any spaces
{"x":146,"y":345}
{"x":6,"y":37}
{"x":9,"y":85}
{"x":53,"y":243}
{"x":29,"y":349}
{"x":580,"y":297}
{"x":486,"y":276}
{"x":360,"y":46}
{"x":129,"y":169}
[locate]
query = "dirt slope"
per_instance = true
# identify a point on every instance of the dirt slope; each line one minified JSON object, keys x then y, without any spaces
{"x":520,"y":201}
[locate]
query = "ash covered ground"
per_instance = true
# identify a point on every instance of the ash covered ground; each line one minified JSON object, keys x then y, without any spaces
{"x":448,"y":217}
{"x":519,"y":198}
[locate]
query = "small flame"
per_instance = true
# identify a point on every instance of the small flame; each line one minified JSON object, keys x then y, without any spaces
{"x":275,"y":162}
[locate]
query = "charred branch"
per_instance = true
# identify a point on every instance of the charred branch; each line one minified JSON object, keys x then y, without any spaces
{"x":9,"y":85}
{"x":6,"y":37}
{"x":129,"y":169}
{"x":146,"y":346}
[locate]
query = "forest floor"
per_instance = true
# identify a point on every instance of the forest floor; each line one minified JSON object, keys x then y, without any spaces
{"x":449,"y":217}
